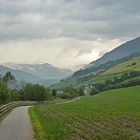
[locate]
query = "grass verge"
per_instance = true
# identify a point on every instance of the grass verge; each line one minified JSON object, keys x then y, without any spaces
{"x":46,"y":128}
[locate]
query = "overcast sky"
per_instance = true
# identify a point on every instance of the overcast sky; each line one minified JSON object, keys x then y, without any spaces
{"x":65,"y":33}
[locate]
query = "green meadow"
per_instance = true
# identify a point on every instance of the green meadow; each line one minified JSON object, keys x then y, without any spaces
{"x":110,"y":115}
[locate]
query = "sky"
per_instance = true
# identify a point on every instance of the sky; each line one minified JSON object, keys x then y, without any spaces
{"x":65,"y":33}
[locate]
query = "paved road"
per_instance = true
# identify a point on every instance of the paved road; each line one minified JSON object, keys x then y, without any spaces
{"x":17,"y":125}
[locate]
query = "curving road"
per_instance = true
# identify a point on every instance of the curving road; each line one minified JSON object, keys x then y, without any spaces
{"x":17,"y":125}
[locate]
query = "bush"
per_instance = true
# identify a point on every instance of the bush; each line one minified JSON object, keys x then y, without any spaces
{"x":65,"y":95}
{"x":94,"y":91}
{"x":68,"y":92}
{"x":81,"y":92}
{"x":134,"y":63}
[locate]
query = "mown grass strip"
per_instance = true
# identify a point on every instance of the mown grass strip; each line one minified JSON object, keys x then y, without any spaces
{"x":46,"y":128}
{"x":37,"y":127}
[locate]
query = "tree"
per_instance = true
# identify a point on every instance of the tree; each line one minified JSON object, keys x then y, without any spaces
{"x":54,"y":92}
{"x":125,"y":76}
{"x":108,"y":81}
{"x":22,"y":95}
{"x":68,"y":92}
{"x":134,"y":63}
{"x":134,"y":73}
{"x":3,"y":93}
{"x":14,"y":95}
{"x":36,"y":92}
{"x":72,"y":91}
{"x":99,"y":86}
{"x":65,"y":95}
{"x":8,"y":77}
{"x":116,"y":80}
{"x":81,"y":92}
{"x":94,"y":91}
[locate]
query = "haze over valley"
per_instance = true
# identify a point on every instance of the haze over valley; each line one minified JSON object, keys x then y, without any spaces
{"x":69,"y":70}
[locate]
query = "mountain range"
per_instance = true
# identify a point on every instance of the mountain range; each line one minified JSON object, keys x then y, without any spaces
{"x":19,"y":75}
{"x":45,"y":74}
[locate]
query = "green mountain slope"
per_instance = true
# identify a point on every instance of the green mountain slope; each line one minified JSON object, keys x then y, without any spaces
{"x":112,"y":64}
{"x":124,"y":50}
{"x":104,"y":72}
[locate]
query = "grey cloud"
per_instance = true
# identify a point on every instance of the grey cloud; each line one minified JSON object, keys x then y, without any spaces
{"x":80,"y":19}
{"x":62,"y":52}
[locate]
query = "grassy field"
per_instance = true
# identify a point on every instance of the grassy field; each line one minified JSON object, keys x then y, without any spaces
{"x":111,"y":115}
{"x":131,"y":65}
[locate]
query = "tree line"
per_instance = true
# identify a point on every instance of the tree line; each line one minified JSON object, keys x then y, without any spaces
{"x":11,"y":91}
{"x":27,"y":91}
{"x":117,"y":82}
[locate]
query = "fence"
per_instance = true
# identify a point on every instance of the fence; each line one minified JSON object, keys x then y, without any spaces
{"x":5,"y":108}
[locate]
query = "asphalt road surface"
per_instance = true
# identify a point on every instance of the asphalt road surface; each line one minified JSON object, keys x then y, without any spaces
{"x":17,"y":125}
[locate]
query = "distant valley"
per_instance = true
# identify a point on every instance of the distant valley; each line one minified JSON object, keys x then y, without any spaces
{"x":109,"y":65}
